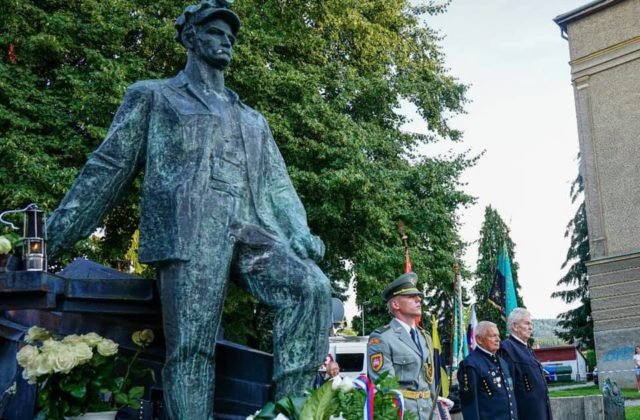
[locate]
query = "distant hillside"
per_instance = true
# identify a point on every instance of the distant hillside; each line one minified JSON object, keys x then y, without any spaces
{"x":543,"y":333}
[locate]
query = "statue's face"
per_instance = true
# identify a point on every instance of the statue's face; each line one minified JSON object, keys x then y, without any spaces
{"x":213,"y":42}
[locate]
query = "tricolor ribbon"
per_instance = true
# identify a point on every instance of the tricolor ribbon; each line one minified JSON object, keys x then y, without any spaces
{"x":399,"y":400}
{"x":363,"y":382}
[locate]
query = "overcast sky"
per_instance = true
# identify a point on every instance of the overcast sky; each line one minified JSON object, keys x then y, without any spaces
{"x":522,"y":114}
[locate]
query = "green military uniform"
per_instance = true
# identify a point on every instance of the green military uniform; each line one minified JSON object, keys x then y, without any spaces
{"x":392,"y":349}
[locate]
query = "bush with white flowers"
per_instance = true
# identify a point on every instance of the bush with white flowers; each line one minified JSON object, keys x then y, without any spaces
{"x":80,"y":373}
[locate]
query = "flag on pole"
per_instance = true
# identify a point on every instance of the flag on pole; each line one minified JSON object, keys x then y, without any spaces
{"x":503,"y":292}
{"x":471,"y":329}
{"x":407,"y":261}
{"x":460,"y":349}
{"x":439,"y":371}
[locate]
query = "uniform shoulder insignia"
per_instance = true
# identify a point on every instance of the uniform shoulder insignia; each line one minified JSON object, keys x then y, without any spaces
{"x":376,"y":360}
{"x":374,"y":341}
{"x":382,"y":329}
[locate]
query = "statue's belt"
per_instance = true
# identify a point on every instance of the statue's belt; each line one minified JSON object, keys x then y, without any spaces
{"x":416,"y":395}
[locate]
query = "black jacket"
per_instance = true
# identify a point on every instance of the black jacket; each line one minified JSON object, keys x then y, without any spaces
{"x":529,"y":383}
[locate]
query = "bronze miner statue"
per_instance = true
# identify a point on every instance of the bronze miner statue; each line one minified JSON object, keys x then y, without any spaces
{"x":216,"y":202}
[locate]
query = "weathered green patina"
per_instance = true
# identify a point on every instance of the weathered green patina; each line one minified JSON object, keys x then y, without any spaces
{"x":217,"y":202}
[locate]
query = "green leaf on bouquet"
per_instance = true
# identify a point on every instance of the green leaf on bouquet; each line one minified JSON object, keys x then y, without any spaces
{"x":121,"y":398}
{"x":136,"y":392}
{"x":321,"y":404}
{"x":77,"y":390}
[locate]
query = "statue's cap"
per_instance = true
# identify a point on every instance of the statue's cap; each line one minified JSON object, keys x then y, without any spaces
{"x":205,"y":11}
{"x":403,"y":285}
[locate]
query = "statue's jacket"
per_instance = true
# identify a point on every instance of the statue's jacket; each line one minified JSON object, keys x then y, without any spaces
{"x":166,"y":129}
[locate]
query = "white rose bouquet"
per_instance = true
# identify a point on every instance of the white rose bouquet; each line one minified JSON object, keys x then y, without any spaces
{"x":8,"y":242}
{"x":80,"y":373}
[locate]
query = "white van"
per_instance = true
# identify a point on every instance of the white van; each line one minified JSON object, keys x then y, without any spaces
{"x":350,"y":353}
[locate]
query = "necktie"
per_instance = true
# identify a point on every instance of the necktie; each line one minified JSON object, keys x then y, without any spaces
{"x":416,"y":340}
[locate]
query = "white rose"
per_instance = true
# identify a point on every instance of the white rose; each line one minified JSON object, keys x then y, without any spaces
{"x":336,"y":381}
{"x":29,"y":376}
{"x":36,"y":334}
{"x":346,"y":385}
{"x":50,"y":346}
{"x":72,"y":339}
{"x":142,"y":338}
{"x":64,"y":360}
{"x":82,"y":352}
{"x":92,"y":339}
{"x":5,"y":245}
{"x":27,"y":356}
{"x":44,"y":364}
{"x":107,"y":347}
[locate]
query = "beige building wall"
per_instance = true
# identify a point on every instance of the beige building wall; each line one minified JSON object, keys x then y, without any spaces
{"x":604,"y":48}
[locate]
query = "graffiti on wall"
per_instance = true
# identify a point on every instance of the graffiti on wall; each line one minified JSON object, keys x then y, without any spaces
{"x":618,"y":354}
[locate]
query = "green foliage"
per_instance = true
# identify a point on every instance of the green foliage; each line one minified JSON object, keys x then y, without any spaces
{"x":632,"y":413}
{"x":328,"y":76}
{"x":583,"y":391}
{"x":320,"y":405}
{"x":590,"y":356}
{"x":576,"y":324}
{"x":493,"y":234}
{"x":337,"y":398}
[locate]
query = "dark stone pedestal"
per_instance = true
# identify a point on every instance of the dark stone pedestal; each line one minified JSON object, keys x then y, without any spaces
{"x":88,"y":297}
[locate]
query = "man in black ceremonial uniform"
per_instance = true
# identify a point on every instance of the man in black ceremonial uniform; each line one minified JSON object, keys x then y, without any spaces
{"x":530,"y":385}
{"x":486,"y":389}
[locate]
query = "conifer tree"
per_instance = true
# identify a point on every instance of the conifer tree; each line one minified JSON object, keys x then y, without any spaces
{"x":493,"y":235}
{"x":576,"y":324}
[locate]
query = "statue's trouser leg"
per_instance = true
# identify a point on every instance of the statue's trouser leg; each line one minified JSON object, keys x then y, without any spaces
{"x":301,"y":296}
{"x":192,"y":296}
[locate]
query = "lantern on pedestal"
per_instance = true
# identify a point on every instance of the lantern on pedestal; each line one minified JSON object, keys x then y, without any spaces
{"x":34,"y":236}
{"x":33,"y":241}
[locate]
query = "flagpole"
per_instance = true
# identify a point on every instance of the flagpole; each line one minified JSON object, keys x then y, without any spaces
{"x":453,"y":322}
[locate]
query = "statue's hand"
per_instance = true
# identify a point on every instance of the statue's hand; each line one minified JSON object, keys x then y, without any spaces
{"x":308,"y":246}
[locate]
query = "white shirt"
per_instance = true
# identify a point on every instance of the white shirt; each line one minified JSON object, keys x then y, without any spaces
{"x":405,"y":326}
{"x":514,"y":336}
{"x":636,"y":359}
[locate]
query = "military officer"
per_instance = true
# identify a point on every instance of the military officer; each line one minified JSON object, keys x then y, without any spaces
{"x":530,"y":386}
{"x":402,"y":348}
{"x":486,"y":389}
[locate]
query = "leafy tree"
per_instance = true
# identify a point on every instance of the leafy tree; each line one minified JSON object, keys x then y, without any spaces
{"x":493,"y":235}
{"x":576,"y":324}
{"x":59,"y":90}
{"x":328,"y":76}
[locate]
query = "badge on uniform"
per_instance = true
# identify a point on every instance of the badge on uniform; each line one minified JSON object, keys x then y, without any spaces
{"x":374,"y":340}
{"x":377,"y":361}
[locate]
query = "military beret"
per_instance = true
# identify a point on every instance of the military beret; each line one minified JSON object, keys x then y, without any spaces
{"x":403,"y":285}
